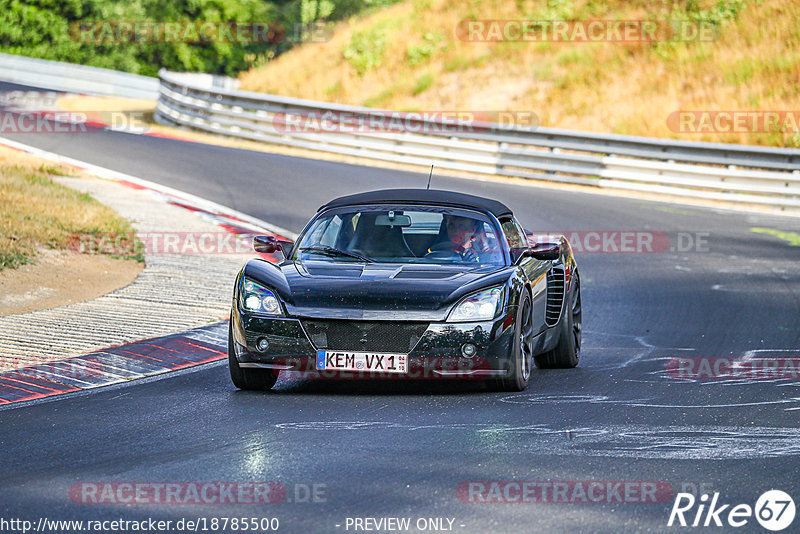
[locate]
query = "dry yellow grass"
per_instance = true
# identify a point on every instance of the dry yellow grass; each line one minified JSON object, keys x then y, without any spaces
{"x":409,"y":57}
{"x":36,"y":212}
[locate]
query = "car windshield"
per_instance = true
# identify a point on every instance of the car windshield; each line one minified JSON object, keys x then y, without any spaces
{"x":401,"y":234}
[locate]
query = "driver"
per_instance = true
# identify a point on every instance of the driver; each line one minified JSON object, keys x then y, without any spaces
{"x":466,"y":238}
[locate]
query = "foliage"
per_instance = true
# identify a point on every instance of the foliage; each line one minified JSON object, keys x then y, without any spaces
{"x":48,"y":29}
{"x":365,"y":49}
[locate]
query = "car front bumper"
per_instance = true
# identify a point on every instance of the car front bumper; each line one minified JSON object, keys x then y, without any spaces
{"x":437,"y":353}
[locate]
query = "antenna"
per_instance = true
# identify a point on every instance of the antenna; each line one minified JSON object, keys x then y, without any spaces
{"x":429,"y":178}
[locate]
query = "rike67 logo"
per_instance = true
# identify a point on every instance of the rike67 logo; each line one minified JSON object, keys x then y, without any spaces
{"x":774,"y":510}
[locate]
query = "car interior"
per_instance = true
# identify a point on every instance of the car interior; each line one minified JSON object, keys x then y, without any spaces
{"x":393,"y":234}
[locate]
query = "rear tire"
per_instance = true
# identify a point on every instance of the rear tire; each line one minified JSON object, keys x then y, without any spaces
{"x":248,"y":379}
{"x":566,"y":354}
{"x":521,"y":354}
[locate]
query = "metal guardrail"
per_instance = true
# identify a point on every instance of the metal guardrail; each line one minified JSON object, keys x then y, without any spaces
{"x":715,"y":171}
{"x":73,"y":78}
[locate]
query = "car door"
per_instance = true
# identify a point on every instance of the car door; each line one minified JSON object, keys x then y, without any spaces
{"x":535,"y":271}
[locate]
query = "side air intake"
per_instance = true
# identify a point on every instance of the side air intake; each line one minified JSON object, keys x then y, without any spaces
{"x":555,"y":295}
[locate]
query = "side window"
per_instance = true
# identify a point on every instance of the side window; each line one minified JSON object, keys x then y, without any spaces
{"x":514,"y":235}
{"x":331,"y":232}
{"x":526,"y":242}
{"x":488,"y":239}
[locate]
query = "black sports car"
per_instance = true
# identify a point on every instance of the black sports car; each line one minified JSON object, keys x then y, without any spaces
{"x":407,"y":283}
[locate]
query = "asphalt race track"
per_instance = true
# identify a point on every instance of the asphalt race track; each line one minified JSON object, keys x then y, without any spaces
{"x":718,"y":289}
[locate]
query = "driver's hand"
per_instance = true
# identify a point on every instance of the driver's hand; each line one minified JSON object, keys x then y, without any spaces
{"x":469,"y":255}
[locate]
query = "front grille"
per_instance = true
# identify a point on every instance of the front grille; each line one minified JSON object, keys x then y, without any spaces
{"x":364,"y":336}
{"x":555,"y":295}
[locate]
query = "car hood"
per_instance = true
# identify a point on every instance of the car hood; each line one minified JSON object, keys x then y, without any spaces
{"x":373,"y":291}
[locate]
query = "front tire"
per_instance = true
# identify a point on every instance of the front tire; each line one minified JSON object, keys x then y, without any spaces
{"x":248,"y":379}
{"x":566,"y":354}
{"x":521,"y":354}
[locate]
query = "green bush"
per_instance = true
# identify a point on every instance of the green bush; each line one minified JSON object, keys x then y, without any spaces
{"x":42,"y":28}
{"x":365,"y":50}
{"x":421,"y":52}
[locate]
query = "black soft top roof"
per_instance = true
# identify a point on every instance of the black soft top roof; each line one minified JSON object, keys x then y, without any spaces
{"x":421,"y":196}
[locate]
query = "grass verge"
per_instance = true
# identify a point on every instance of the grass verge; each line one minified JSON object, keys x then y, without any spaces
{"x":37,"y":213}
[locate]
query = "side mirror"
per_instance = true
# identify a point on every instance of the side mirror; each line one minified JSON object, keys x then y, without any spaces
{"x":546,"y":250}
{"x":543,"y":250}
{"x":518,"y":254}
{"x":266,"y":244}
{"x":269,"y":244}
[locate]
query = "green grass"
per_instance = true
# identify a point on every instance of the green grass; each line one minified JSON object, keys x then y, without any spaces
{"x":365,"y":50}
{"x":36,"y":212}
{"x":423,"y":51}
{"x":424,"y":83}
{"x":456,"y":63}
{"x":381,"y":98}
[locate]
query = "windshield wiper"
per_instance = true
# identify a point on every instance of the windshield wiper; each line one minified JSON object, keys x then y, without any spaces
{"x":337,"y":252}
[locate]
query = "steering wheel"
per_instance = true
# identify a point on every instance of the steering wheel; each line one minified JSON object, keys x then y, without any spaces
{"x":443,"y":251}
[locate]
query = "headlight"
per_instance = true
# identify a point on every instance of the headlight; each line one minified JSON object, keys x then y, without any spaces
{"x":481,"y":306}
{"x":257,"y":298}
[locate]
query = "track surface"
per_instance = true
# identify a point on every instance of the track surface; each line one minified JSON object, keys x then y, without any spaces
{"x":398,"y":449}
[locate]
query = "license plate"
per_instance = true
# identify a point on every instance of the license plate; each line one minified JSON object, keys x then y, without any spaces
{"x":328,"y":360}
